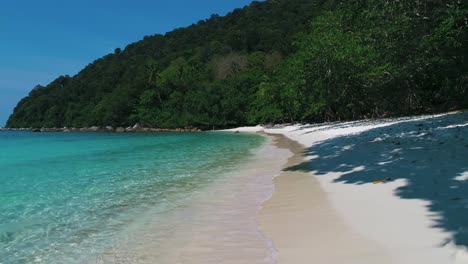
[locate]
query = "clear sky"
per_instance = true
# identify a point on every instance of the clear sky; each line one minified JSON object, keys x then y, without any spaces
{"x":40,"y":40}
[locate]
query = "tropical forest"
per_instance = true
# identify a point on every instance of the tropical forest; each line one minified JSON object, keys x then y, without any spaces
{"x":275,"y":61}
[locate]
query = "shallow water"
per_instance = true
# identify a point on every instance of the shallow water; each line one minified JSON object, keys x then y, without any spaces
{"x":92,"y":197}
{"x":217,"y":225}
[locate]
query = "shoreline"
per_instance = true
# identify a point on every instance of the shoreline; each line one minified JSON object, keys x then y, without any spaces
{"x":303,"y":224}
{"x":377,"y":175}
{"x":106,"y":129}
{"x":218,"y":225}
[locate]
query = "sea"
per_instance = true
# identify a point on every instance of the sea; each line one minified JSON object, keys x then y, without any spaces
{"x":134,"y":198}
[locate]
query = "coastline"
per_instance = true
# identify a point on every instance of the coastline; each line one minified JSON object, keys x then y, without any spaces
{"x":218,"y":225}
{"x":108,"y":129}
{"x":357,"y":167}
{"x":302,"y":223}
{"x":371,"y":191}
{"x":101,"y":186}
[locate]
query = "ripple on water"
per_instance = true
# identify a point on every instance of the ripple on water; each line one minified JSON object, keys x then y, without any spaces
{"x":80,"y":198}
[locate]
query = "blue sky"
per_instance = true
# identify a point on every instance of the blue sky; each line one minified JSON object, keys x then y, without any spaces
{"x":40,"y":40}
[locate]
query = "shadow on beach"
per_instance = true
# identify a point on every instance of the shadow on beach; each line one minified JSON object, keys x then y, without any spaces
{"x":430,"y":154}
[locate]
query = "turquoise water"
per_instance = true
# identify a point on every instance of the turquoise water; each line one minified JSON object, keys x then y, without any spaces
{"x":66,"y":198}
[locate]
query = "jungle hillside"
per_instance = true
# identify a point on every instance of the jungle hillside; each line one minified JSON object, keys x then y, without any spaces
{"x":271,"y":62}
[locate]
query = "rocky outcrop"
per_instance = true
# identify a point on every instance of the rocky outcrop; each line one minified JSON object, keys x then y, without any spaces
{"x":136,"y":128}
{"x":17,"y":129}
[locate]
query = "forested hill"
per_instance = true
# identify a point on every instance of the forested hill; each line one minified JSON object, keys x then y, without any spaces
{"x":273,"y":61}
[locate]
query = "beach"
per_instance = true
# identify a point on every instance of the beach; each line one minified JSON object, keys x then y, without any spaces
{"x":373,"y":191}
{"x":303,"y":224}
{"x":135,"y":198}
{"x":370,"y":191}
{"x":217,"y":225}
{"x":234,"y":132}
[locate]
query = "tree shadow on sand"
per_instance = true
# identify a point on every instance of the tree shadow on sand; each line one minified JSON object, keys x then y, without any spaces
{"x":430,"y":154}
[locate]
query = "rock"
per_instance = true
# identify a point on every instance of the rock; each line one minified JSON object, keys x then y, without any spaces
{"x":51,"y":129}
{"x":236,"y":132}
{"x":110,"y":128}
{"x":89,"y":129}
{"x":35,"y":130}
{"x":45,"y":129}
{"x":120,"y":130}
{"x":136,"y":126}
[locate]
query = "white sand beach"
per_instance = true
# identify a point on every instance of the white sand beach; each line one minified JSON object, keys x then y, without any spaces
{"x":217,"y":225}
{"x":373,"y":191}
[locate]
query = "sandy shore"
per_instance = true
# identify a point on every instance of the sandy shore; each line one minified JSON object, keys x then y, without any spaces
{"x":303,"y":224}
{"x":376,"y":191}
{"x":217,"y":225}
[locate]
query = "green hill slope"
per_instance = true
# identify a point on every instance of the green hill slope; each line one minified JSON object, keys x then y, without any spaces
{"x":273,"y":61}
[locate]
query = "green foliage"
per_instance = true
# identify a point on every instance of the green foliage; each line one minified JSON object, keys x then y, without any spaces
{"x":272,"y":61}
{"x":204,"y":75}
{"x":372,"y":59}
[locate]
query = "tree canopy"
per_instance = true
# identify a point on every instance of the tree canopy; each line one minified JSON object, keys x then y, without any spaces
{"x":272,"y":61}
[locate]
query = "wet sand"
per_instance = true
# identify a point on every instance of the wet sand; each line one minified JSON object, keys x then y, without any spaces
{"x":218,"y":225}
{"x":303,"y":225}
